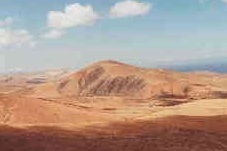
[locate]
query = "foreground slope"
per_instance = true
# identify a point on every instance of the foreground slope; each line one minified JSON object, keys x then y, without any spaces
{"x":18,"y":110}
{"x":172,"y":134}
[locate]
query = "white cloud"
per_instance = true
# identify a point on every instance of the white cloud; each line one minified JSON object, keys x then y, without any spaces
{"x":73,"y":15}
{"x":129,"y":8}
{"x":6,"y":22}
{"x":10,"y":37}
{"x":225,"y":1}
{"x":53,"y":34}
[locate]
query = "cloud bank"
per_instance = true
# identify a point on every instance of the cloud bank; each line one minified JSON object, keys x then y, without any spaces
{"x":72,"y":16}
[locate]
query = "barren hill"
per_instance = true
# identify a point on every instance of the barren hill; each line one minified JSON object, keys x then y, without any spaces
{"x":18,"y":81}
{"x":111,"y":78}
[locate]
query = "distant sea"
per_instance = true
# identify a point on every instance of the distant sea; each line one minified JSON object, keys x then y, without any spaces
{"x":212,"y":67}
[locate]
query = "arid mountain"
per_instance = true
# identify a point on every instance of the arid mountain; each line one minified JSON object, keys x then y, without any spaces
{"x":108,"y":91}
{"x":114,"y":106}
{"x":111,"y":78}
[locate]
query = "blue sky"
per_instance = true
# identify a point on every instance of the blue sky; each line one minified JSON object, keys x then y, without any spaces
{"x":140,"y":32}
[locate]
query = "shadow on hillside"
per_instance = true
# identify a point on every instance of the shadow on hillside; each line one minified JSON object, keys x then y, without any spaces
{"x":169,"y":135}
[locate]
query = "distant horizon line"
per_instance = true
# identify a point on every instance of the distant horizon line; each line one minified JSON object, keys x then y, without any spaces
{"x":217,"y":66}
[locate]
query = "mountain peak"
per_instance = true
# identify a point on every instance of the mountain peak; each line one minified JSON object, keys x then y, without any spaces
{"x":109,"y":62}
